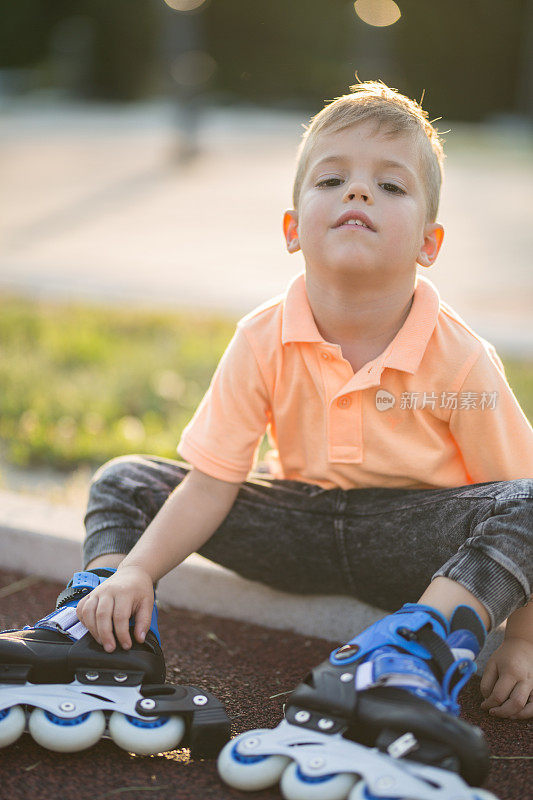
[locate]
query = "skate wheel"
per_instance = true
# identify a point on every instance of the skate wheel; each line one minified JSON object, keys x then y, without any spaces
{"x":251,"y":773}
{"x":66,"y":735}
{"x":360,"y":792}
{"x":297,"y":785}
{"x":146,"y":736}
{"x":12,"y":724}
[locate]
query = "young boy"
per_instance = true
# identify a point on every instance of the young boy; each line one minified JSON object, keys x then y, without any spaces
{"x":402,"y":461}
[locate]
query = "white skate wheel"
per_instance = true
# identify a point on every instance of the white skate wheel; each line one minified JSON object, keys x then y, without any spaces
{"x":12,"y":724}
{"x":296,"y":785}
{"x":249,"y":773}
{"x":66,"y":735}
{"x":144,"y":736}
{"x":482,"y":794}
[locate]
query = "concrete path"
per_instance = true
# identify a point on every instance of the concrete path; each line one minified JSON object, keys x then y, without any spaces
{"x":95,"y":205}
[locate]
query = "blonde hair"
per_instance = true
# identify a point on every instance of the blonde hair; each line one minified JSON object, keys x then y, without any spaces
{"x":396,"y":113}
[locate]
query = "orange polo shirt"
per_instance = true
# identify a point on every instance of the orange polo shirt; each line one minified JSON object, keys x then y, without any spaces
{"x":433,"y":410}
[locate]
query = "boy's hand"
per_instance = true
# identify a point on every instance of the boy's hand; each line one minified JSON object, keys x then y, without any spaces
{"x":507,"y":683}
{"x":129,"y":592}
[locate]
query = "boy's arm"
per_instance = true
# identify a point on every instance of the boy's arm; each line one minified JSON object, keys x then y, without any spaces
{"x":186,"y":521}
{"x":189,"y":517}
{"x":519,"y":624}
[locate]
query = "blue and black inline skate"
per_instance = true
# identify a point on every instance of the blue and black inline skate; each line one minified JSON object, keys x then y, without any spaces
{"x":60,"y":684}
{"x":378,"y":719}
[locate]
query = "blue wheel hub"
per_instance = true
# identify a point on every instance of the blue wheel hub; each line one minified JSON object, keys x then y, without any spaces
{"x":65,"y":723}
{"x":145,"y":723}
{"x":310,"y":779}
{"x":246,"y":759}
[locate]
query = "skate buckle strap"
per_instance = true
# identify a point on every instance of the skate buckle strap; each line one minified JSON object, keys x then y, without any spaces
{"x":441,"y":654}
{"x":85,"y":579}
{"x":403,"y":746}
{"x":81,"y":584}
{"x":65,"y":620}
{"x":409,"y":630}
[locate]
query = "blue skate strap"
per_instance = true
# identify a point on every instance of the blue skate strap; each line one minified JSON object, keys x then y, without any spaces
{"x":153,"y":624}
{"x":415,"y":629}
{"x":414,"y":649}
{"x":64,"y":619}
{"x":81,"y":584}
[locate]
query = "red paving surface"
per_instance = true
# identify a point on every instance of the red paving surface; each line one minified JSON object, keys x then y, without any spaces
{"x":245,"y":666}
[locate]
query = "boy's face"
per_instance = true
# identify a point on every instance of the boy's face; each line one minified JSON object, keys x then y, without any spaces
{"x":364,"y":171}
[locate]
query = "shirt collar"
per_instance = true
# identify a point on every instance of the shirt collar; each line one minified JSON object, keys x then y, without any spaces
{"x":406,"y":350}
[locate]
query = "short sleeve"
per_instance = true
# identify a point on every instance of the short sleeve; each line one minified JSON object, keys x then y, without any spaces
{"x":491,"y":430}
{"x":222,"y":437}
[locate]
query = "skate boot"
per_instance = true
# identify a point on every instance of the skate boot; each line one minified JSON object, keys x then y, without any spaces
{"x":378,"y":719}
{"x":56,"y":680}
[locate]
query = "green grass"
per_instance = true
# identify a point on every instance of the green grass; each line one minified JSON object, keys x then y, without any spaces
{"x":81,"y":384}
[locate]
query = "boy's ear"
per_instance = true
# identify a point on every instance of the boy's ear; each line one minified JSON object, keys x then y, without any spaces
{"x":433,"y":236}
{"x":290,"y":230}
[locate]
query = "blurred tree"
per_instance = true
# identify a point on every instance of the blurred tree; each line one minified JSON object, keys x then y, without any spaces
{"x":524,"y":78}
{"x":125,"y":47}
{"x":187,"y":71}
{"x":25,"y":29}
{"x":117,"y":41}
{"x":280,"y":53}
{"x":464,"y":53}
{"x":472,"y":57}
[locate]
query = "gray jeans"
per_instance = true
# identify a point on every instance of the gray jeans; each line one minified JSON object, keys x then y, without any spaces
{"x":382,"y":546}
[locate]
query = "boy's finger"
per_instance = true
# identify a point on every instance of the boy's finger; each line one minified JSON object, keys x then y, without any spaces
{"x":121,"y":621}
{"x":490,"y":676}
{"x":501,"y":691}
{"x":86,"y":615}
{"x":515,"y":702}
{"x":143,"y":618}
{"x":527,"y":711}
{"x":104,"y":626}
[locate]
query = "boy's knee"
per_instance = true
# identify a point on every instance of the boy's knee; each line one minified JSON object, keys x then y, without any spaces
{"x":117,"y":469}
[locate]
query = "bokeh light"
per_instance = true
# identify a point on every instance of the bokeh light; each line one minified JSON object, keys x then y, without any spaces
{"x":378,"y":13}
{"x":193,"y":68}
{"x":184,"y":5}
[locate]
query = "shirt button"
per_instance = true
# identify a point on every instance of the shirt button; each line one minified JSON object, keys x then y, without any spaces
{"x":344,"y":402}
{"x":325,"y":356}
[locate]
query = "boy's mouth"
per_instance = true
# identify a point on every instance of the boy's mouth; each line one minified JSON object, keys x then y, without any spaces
{"x":354,"y":219}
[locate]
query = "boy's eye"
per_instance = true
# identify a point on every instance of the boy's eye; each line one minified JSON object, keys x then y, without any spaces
{"x":329,"y":182}
{"x":392,"y":188}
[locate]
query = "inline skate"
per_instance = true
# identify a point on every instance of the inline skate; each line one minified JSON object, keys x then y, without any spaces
{"x":378,"y":719}
{"x":60,"y":684}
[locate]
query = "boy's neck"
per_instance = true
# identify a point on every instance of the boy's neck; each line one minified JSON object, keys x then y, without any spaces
{"x":360,"y":318}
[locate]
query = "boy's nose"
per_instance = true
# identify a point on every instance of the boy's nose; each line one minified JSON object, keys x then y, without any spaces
{"x":359,"y":190}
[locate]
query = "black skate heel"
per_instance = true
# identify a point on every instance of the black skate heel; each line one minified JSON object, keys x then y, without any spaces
{"x":207,"y":725}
